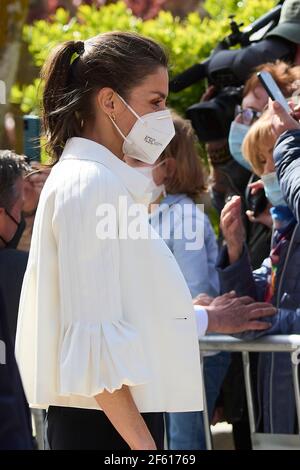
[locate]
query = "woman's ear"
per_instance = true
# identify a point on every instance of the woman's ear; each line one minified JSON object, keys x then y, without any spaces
{"x":105,"y":100}
{"x":109,"y":102}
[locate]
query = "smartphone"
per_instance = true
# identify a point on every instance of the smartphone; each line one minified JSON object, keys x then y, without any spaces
{"x":31,"y":135}
{"x":257,"y":203}
{"x":273,"y":89}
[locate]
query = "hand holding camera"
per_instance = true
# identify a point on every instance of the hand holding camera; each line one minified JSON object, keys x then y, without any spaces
{"x":258,"y":205}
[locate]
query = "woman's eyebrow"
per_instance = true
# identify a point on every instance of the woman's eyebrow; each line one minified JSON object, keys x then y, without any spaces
{"x":162,"y":95}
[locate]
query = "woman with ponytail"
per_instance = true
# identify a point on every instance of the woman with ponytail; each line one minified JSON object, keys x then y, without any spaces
{"x":104,"y":317}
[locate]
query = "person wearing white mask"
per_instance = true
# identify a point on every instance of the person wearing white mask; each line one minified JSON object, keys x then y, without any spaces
{"x":105,"y":312}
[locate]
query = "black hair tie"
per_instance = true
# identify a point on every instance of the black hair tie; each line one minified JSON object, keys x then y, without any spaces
{"x":79,"y":47}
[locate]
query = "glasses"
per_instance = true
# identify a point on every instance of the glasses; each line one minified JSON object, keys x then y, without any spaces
{"x":248,"y":115}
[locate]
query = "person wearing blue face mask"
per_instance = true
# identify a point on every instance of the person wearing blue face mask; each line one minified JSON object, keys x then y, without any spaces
{"x":255,"y":100}
{"x":277,"y":280}
{"x":272,"y":189}
{"x":238,"y":131}
{"x":258,"y":234}
{"x":257,"y":148}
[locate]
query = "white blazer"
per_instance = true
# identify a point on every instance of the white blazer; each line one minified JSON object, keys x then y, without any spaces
{"x":98,"y":313}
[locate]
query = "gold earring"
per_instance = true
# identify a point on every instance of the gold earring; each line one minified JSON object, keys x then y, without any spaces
{"x":113,"y":117}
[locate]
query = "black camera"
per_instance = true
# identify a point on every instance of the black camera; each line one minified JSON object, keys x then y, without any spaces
{"x":212,"y":119}
{"x":257,"y":203}
{"x":227,"y":70}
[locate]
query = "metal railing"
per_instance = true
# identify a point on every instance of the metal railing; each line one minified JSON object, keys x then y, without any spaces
{"x":275,"y":343}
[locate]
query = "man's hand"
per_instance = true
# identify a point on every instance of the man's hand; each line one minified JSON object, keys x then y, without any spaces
{"x":203,"y":299}
{"x":235,"y":315}
{"x":232,"y":228}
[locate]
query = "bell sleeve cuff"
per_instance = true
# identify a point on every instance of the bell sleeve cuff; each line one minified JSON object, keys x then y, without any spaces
{"x":102,"y":356}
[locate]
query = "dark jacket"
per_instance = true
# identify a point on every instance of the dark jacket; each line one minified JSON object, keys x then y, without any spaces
{"x":15,"y":423}
{"x":12,"y":269}
{"x":287,"y":161}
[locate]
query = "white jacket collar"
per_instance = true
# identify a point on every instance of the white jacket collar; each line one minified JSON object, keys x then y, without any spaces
{"x":78,"y":148}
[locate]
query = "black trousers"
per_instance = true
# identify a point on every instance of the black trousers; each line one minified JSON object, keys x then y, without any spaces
{"x":81,"y":429}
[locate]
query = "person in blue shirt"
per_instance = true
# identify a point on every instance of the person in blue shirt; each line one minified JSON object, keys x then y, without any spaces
{"x":186,"y":229}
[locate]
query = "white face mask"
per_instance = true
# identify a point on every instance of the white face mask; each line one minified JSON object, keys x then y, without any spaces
{"x":154,"y":189}
{"x":149,"y":135}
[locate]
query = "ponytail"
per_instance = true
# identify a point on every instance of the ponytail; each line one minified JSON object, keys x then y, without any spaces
{"x":60,"y":99}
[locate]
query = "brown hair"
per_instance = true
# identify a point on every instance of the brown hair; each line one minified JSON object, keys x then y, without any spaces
{"x":258,"y":136}
{"x":188,"y":177}
{"x":118,"y":60}
{"x":285,"y":75}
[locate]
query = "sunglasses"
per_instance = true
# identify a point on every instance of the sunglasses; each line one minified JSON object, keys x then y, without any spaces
{"x":248,"y":115}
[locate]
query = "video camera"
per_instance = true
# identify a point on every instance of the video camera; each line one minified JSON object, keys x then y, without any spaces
{"x":227,"y":70}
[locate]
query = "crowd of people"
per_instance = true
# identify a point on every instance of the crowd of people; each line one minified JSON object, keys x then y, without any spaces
{"x":125,"y":272}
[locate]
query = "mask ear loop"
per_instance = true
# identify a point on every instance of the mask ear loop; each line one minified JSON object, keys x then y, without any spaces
{"x":130,"y":108}
{"x":157,"y":165}
{"x":112,"y":118}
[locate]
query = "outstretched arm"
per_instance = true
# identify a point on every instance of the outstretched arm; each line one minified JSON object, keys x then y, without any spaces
{"x":287,"y":154}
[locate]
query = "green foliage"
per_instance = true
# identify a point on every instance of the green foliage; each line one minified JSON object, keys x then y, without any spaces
{"x":27,"y":96}
{"x":245,"y":11}
{"x":187,"y":42}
